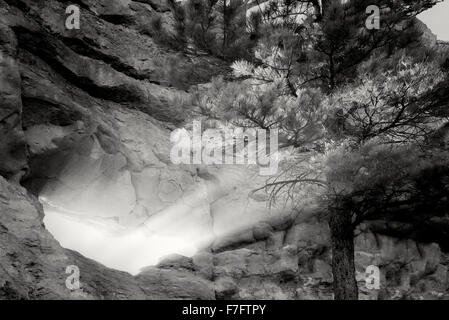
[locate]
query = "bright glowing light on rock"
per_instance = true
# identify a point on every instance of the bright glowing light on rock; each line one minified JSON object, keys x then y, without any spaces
{"x":215,"y":205}
{"x":127,"y":251}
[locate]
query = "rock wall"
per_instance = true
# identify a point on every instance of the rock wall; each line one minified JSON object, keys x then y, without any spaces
{"x":85,"y":120}
{"x":33,"y":264}
{"x":281,"y":263}
{"x":13,"y":156}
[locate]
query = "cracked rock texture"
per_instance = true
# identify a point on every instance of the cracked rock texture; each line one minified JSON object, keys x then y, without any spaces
{"x":85,"y":121}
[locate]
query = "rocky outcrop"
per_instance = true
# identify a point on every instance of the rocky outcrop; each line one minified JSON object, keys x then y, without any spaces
{"x":295,"y":263}
{"x":13,"y":156}
{"x":65,"y":110}
{"x":33,"y":264}
{"x":283,"y":264}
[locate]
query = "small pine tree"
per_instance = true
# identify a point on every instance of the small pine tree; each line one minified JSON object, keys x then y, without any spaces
{"x":216,"y":27}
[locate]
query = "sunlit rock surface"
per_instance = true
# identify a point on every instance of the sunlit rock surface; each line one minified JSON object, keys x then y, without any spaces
{"x":33,"y":264}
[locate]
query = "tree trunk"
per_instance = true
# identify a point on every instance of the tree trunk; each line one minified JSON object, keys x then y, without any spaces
{"x":343,"y":267}
{"x":331,"y":71}
{"x":318,"y":10}
{"x":225,"y":29}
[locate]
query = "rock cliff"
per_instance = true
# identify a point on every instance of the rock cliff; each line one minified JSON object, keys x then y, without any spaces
{"x":85,"y":121}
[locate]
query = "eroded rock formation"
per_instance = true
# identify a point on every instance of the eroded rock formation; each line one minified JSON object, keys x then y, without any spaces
{"x":85,"y":121}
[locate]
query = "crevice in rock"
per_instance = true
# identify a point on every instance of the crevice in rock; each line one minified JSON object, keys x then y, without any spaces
{"x":86,"y":47}
{"x":153,"y":6}
{"x":77,"y":2}
{"x":38,"y":111}
{"x":22,"y":6}
{"x":31,"y":41}
{"x":117,"y":19}
{"x":14,"y":115}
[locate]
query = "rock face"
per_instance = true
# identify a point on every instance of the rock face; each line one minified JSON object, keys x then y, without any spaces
{"x":66,"y":101}
{"x":283,"y":264}
{"x":33,"y":264}
{"x":85,"y":121}
{"x":13,"y":159}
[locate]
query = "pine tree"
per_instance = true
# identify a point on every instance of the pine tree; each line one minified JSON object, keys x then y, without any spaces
{"x":216,"y":27}
{"x":317,"y":78}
